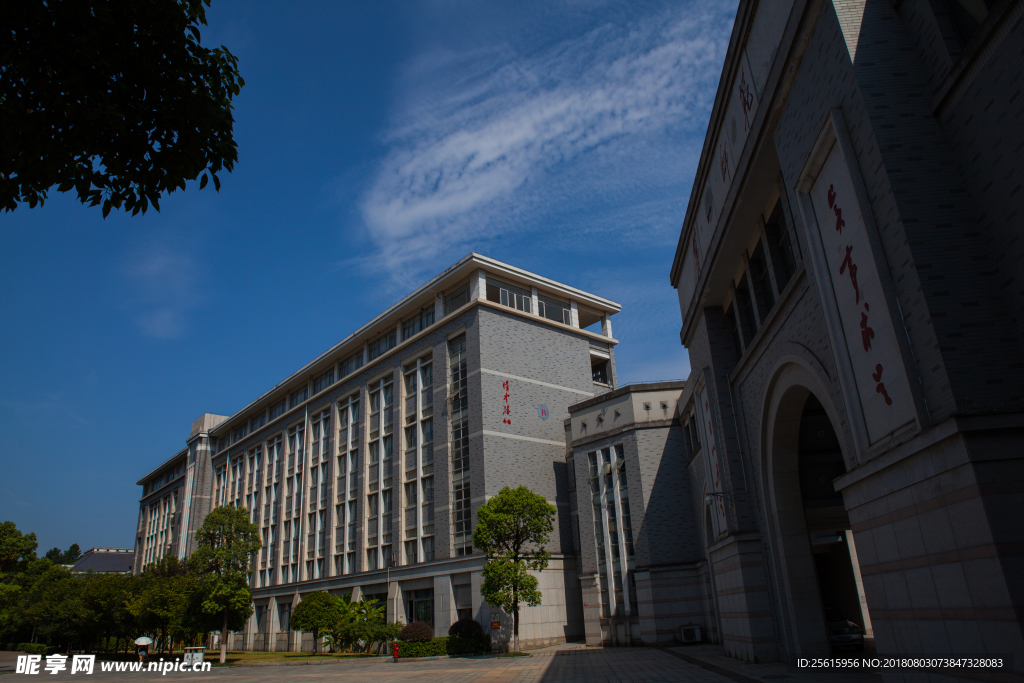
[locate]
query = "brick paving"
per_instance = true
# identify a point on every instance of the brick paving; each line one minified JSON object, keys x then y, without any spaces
{"x":563,"y":664}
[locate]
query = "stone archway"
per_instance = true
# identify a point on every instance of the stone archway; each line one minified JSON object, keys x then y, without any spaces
{"x":801,"y":501}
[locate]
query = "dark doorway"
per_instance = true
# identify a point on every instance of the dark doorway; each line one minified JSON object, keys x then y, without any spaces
{"x":821,"y":461}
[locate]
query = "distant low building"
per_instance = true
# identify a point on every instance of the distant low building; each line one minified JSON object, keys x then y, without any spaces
{"x":106,"y":561}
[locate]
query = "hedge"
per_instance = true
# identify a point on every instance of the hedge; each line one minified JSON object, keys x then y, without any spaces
{"x":33,"y":648}
{"x":446,"y":645}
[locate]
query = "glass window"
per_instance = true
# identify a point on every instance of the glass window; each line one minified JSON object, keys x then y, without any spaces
{"x":421,"y":605}
{"x":419,"y":322}
{"x":745,"y":307}
{"x":323,"y":381}
{"x":352,"y":363}
{"x":383,"y":344}
{"x":277,"y":410}
{"x":509,"y":295}
{"x":764,"y":293}
{"x":456,"y":299}
{"x":461,"y":507}
{"x":428,"y":549}
{"x":553,"y":309}
{"x":259,"y":420}
{"x":299,"y":396}
{"x":780,"y":246}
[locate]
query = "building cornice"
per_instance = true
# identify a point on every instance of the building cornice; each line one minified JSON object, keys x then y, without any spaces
{"x":627,"y":389}
{"x":156,"y":470}
{"x":622,"y":429}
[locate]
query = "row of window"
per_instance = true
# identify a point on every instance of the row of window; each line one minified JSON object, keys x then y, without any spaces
{"x":378,"y":506}
{"x":378,"y":347}
{"x":521,"y":300}
{"x":770,"y":267}
{"x":613,"y":531}
{"x":163,"y":479}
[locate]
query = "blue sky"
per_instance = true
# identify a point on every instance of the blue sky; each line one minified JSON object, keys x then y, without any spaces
{"x":378,"y":143}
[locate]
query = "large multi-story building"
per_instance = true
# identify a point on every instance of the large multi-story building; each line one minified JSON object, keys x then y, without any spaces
{"x":849,"y":278}
{"x":363,"y":469}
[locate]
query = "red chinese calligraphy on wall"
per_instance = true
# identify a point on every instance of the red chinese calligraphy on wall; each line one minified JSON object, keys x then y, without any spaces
{"x":849,"y":267}
{"x":506,"y":411}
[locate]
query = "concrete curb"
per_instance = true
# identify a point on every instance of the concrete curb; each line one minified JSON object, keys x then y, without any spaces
{"x":338,"y":660}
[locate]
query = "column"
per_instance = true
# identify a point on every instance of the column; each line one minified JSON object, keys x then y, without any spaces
{"x":444,"y":605}
{"x":606,"y":325}
{"x":438,"y":307}
{"x":478,"y":286}
{"x":574,"y":313}
{"x":395,"y":608}
{"x":591,"y":589}
{"x":645,"y":608}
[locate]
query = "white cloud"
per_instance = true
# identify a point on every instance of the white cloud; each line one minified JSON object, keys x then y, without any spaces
{"x":486,"y":140}
{"x":164,"y":291}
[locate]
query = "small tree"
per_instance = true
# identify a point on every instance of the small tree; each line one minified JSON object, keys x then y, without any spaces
{"x":318,"y":612}
{"x":226,"y":541}
{"x":512,"y":528}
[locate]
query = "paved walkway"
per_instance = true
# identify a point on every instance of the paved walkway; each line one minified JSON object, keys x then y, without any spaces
{"x":569,"y":663}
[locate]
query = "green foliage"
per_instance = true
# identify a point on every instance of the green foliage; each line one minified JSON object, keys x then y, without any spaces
{"x":362,"y":621}
{"x":466,"y":628}
{"x":32,"y":648}
{"x":446,"y":645}
{"x":16,"y":549}
{"x":512,"y":528}
{"x":220,"y":564}
{"x":70,"y":556}
{"x":115,"y":99}
{"x":317,"y":612}
{"x":416,"y":631}
{"x":160,"y":598}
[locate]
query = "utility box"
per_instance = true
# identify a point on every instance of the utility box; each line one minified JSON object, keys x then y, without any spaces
{"x":690,"y":634}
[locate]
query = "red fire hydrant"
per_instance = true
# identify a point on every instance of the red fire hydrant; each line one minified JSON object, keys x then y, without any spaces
{"x":395,"y":645}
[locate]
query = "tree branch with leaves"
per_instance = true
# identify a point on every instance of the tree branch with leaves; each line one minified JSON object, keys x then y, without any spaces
{"x":114,"y":99}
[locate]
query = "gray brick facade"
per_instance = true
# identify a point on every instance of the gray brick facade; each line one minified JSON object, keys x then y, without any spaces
{"x":346,"y":550}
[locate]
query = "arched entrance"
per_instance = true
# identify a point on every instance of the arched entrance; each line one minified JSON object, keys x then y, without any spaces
{"x":820,"y":583}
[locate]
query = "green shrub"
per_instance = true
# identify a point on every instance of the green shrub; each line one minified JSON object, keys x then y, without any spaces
{"x":415,"y":632}
{"x":466,"y":628}
{"x":447,"y":645}
{"x":33,"y":648}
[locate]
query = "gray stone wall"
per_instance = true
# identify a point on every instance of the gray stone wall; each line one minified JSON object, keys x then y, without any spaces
{"x":543,"y":366}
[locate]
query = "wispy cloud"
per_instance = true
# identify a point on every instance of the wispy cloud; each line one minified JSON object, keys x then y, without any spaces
{"x":165,"y":290}
{"x":485,"y":140}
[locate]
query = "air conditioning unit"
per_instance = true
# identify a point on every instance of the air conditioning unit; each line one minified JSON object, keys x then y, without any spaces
{"x":690,"y":634}
{"x":606,"y":468}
